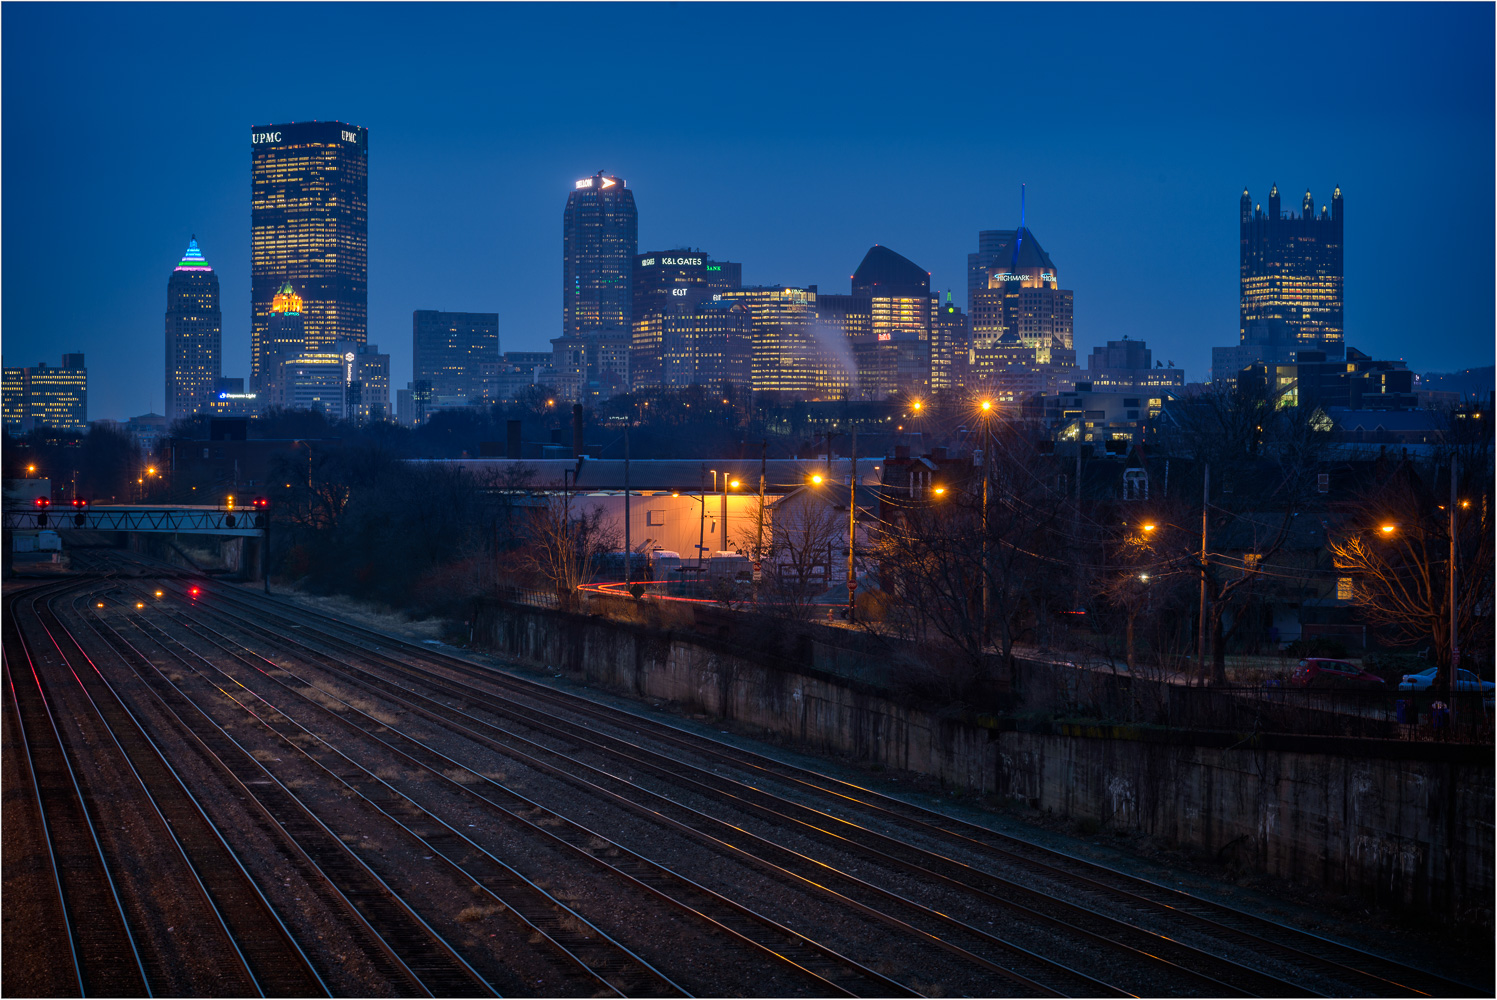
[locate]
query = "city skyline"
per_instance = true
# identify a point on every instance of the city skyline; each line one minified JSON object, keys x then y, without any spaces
{"x":1139,"y":208}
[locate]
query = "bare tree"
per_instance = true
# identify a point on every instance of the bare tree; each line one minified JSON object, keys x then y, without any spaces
{"x":567,"y":542}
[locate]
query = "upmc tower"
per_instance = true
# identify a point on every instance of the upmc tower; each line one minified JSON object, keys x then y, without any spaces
{"x":309,"y":225}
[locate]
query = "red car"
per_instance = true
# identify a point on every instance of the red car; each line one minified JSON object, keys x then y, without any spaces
{"x":1321,"y":673}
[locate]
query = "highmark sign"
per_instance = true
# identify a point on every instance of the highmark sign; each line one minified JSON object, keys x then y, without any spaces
{"x":1009,"y":276}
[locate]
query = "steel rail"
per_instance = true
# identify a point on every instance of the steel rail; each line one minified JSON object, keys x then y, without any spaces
{"x":671,"y":769}
{"x":737,"y":834}
{"x":548,"y":927}
{"x":99,"y":929}
{"x":422,"y":956}
{"x":283,"y":961}
{"x":644,"y":873}
{"x":1384,"y":973}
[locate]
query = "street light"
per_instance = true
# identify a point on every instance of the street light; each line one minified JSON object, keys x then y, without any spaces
{"x":1388,"y":529}
{"x":1149,"y":527}
{"x":815,"y":480}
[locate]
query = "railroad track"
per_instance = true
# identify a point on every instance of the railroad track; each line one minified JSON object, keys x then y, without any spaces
{"x":1353,"y":969}
{"x":1036,"y":975}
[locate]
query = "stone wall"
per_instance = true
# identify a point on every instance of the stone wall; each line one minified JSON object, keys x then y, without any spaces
{"x":1403,"y":823}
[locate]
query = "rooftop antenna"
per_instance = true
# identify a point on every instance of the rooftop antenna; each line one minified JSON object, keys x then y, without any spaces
{"x":1013,"y":268}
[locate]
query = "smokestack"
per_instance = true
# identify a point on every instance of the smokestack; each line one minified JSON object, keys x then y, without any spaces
{"x":576,"y":430}
{"x":512,"y":439}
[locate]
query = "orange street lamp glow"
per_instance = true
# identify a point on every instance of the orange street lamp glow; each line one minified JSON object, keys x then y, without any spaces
{"x":918,"y":404}
{"x":734,"y":484}
{"x":987,"y":404}
{"x":30,"y":468}
{"x":151,"y":471}
{"x":1388,"y":529}
{"x":939,"y":490}
{"x":1149,"y":527}
{"x":1465,"y":504}
{"x":158,"y":593}
{"x":816,"y":480}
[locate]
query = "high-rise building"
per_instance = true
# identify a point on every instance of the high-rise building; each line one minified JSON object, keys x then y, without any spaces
{"x":950,"y":342}
{"x":447,"y":349}
{"x":599,"y":239}
{"x":309,"y":225}
{"x":996,"y":253}
{"x":670,"y":283}
{"x":792,"y":351}
{"x":712,"y":344}
{"x":194,"y":336}
{"x":346,"y":381}
{"x":47,"y":397}
{"x":1022,"y":300}
{"x":285,"y":336}
{"x":1292,"y":273}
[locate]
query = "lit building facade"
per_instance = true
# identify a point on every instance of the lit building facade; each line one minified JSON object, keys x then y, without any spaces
{"x":194,"y":335}
{"x":47,"y":397}
{"x":792,"y":352}
{"x":448,"y":348}
{"x":309,"y":225}
{"x":285,"y":336}
{"x":1292,"y":274}
{"x":599,"y":240}
{"x":347,"y":381}
{"x":1128,"y":366}
{"x":1021,"y":300}
{"x":670,"y":283}
{"x":231,"y":400}
{"x":950,"y":344}
{"x":712,"y":344}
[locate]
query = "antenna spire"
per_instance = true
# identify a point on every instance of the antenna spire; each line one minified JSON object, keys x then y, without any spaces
{"x":1013,"y":267}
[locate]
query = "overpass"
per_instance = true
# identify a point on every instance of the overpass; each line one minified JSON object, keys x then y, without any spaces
{"x":177,"y":520}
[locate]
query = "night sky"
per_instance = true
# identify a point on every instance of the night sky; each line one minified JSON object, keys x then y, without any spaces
{"x":789,"y":138}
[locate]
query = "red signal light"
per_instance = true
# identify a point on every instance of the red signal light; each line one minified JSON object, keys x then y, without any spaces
{"x":79,"y":502}
{"x":261,"y":503}
{"x":194,"y":592}
{"x":43,"y":503}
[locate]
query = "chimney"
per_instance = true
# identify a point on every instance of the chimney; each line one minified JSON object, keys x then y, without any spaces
{"x":512,"y":439}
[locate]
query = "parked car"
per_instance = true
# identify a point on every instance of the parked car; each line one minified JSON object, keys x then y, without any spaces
{"x":1465,"y":680}
{"x":1318,"y":672}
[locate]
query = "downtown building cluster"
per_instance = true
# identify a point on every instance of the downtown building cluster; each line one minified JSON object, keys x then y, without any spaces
{"x":642,"y":321}
{"x":639,"y":321}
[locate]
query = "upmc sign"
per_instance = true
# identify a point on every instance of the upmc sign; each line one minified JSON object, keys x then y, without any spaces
{"x":298,"y":133}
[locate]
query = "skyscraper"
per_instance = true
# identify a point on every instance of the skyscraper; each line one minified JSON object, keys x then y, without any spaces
{"x":447,"y":349}
{"x":285,"y":337}
{"x":1292,"y":274}
{"x":309,"y":224}
{"x":599,"y":238}
{"x":1021,"y":301}
{"x":194,"y":336}
{"x":670,"y":283}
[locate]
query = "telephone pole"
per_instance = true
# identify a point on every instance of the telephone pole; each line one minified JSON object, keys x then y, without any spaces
{"x":1201,"y":628}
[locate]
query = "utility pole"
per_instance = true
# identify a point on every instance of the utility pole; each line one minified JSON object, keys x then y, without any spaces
{"x":763,"y":469}
{"x":702,"y":524}
{"x":1455,"y":641}
{"x":1201,"y":628}
{"x":852,"y":529}
{"x":628,"y":552}
{"x":987,"y":467}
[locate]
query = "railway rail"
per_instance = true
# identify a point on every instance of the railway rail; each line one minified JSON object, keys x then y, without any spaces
{"x":587,"y":828}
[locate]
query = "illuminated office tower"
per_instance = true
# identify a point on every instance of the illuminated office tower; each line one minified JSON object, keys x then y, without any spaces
{"x":599,"y":238}
{"x":1292,"y":274}
{"x":950,"y":342}
{"x":309,"y":225}
{"x":899,"y":290}
{"x":47,"y":397}
{"x":1022,"y":302}
{"x":447,"y":349}
{"x":712,"y":344}
{"x":285,"y":336}
{"x":793,"y":352}
{"x":670,"y":283}
{"x":194,"y":336}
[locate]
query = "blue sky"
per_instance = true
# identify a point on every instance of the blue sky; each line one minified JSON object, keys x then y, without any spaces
{"x":789,"y":138}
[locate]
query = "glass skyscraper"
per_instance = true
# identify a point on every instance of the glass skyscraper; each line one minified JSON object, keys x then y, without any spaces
{"x":448,"y":348}
{"x":670,"y":283}
{"x":599,"y":238}
{"x":194,"y":336}
{"x":1292,"y":275}
{"x":309,"y":224}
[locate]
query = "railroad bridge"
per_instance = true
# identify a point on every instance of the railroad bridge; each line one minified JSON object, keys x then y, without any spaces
{"x":176,"y":520}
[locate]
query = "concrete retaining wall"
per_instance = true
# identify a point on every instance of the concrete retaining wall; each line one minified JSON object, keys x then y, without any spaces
{"x":1409,"y":824}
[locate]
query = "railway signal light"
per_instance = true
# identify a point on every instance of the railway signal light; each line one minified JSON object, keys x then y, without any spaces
{"x":42,"y":503}
{"x":194,"y":592}
{"x":261,"y":503}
